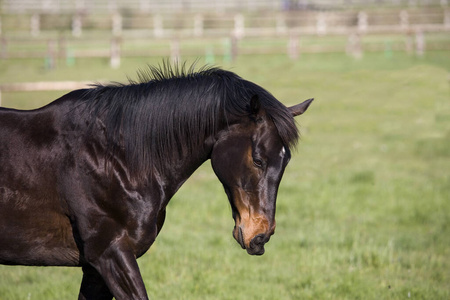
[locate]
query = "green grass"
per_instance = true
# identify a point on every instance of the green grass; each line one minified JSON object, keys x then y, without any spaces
{"x":363,"y":210}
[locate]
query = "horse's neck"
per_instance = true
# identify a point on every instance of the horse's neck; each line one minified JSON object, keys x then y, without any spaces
{"x":173,"y":177}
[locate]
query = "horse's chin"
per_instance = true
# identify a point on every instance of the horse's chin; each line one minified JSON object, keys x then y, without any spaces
{"x":256,"y":251}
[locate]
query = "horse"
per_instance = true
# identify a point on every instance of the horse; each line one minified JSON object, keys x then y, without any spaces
{"x":85,"y":180}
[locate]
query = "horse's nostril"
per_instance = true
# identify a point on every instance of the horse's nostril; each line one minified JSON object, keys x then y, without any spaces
{"x":259,"y":240}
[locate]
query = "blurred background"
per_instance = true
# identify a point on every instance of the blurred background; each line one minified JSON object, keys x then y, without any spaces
{"x":62,"y":31}
{"x":363,"y":210}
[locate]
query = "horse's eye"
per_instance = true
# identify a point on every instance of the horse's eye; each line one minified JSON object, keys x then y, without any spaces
{"x":257,"y":162}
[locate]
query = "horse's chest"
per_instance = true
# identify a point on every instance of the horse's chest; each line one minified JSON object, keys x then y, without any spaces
{"x":138,"y":220}
{"x":142,"y":235}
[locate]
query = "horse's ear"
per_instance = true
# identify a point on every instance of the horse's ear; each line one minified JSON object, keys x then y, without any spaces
{"x":255,"y":105}
{"x":298,"y":109}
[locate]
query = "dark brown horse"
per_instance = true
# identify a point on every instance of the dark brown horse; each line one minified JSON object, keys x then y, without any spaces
{"x":85,"y":180}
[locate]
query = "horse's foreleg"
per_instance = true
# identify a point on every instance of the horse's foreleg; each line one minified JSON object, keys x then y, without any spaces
{"x":93,"y":286}
{"x":118,"y":267}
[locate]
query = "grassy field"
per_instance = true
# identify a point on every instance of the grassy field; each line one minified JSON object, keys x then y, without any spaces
{"x":363,"y":209}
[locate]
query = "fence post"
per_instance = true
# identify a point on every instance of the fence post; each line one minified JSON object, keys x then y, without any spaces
{"x":198,"y":25}
{"x":420,"y":43}
{"x":447,"y":18}
{"x":76,"y":25}
{"x":293,"y":47}
{"x":354,"y":46}
{"x":158,"y":29}
{"x":175,"y":56}
{"x":409,"y":44}
{"x":321,"y":24}
{"x":115,"y":53}
{"x":362,"y":21}
{"x":35,"y":24}
{"x":231,"y":49}
{"x":116,"y":24}
{"x":404,"y":20}
{"x":238,"y":26}
{"x":280,"y":26}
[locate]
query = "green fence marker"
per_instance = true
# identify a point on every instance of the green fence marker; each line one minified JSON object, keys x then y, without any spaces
{"x":227,"y":57}
{"x":70,"y":58}
{"x":388,"y":49}
{"x":209,"y":56}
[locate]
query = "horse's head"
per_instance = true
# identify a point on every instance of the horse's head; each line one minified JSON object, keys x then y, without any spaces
{"x":249,"y":158}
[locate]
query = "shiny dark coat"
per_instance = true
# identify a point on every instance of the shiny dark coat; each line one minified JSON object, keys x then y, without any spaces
{"x":85,"y":180}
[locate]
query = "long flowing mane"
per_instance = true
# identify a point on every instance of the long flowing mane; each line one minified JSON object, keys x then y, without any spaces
{"x":173,"y":108}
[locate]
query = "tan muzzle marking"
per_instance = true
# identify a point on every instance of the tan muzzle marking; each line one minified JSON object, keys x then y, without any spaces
{"x":250,"y":222}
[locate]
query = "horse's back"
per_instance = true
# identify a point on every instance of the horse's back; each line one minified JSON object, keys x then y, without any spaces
{"x":34,"y":228}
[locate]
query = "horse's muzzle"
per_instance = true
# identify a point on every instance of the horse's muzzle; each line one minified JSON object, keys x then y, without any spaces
{"x":256,"y":245}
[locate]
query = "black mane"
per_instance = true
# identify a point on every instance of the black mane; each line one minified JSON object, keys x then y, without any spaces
{"x":174,"y":106}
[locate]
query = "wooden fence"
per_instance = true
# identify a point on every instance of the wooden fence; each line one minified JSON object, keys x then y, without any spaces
{"x":66,"y":37}
{"x":214,"y":25}
{"x":54,"y":52}
{"x":183,"y":6}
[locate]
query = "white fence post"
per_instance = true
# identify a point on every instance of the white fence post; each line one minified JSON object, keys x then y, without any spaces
{"x":239,"y":26}
{"x":76,"y":25}
{"x":420,"y":43}
{"x":158,"y":29}
{"x":115,"y":53}
{"x":354,"y":46}
{"x":117,"y":24}
{"x":281,"y":27}
{"x":362,"y":21}
{"x":198,"y":25}
{"x":293,"y":47}
{"x":409,"y":43}
{"x":35,"y":24}
{"x":447,"y":19}
{"x":404,"y":20}
{"x":321,"y":24}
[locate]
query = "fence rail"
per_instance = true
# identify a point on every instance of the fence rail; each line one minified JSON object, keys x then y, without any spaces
{"x":66,"y":37}
{"x":183,"y":6}
{"x":42,"y":86}
{"x":212,"y":24}
{"x":117,"y":36}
